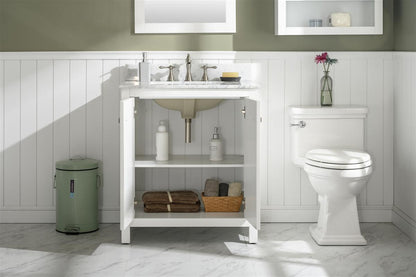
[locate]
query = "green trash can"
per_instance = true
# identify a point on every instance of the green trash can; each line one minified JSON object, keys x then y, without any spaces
{"x":77,"y":182}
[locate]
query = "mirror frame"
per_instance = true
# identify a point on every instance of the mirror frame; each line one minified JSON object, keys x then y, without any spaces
{"x":141,"y":27}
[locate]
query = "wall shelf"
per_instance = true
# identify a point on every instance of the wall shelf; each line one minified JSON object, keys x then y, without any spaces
{"x":292,"y":17}
{"x":188,"y":161}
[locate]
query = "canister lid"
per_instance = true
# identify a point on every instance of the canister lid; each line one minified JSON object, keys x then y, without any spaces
{"x":77,"y":164}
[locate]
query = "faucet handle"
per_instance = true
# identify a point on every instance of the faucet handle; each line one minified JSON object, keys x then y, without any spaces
{"x":205,"y":67}
{"x":171,"y":67}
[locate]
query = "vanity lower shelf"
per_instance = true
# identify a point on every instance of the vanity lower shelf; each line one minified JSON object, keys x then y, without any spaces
{"x":188,"y":161}
{"x":199,"y":219}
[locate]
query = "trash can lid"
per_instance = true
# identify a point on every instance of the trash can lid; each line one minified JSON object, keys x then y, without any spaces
{"x":77,"y":164}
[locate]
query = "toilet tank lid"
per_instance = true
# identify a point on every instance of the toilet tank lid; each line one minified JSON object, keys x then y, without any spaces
{"x":338,"y":156}
{"x":338,"y":111}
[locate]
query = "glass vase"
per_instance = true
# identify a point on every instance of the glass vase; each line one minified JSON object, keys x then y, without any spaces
{"x":326,"y":89}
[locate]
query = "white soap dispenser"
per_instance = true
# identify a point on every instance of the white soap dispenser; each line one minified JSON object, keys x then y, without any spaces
{"x":215,"y":146}
{"x":144,"y":71}
{"x":162,"y":142}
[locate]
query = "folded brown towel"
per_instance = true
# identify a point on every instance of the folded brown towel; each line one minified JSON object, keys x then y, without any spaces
{"x":234,"y":189}
{"x":174,"y":208}
{"x":211,"y":187}
{"x":223,"y":189}
{"x":177,"y":197}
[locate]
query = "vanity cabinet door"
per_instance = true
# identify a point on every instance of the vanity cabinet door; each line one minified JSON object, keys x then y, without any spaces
{"x":250,"y":144}
{"x":127,"y":150}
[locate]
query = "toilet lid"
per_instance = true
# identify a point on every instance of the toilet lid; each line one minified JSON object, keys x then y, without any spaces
{"x":338,"y":159}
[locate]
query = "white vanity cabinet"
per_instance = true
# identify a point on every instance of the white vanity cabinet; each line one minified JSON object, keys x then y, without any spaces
{"x":132,"y":215}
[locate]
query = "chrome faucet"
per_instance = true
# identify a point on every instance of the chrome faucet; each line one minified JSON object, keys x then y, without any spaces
{"x":188,"y":76}
{"x":205,"y":67}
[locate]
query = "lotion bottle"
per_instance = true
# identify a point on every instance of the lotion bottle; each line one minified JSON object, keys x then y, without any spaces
{"x":144,"y":71}
{"x":215,"y":146}
{"x":162,"y":142}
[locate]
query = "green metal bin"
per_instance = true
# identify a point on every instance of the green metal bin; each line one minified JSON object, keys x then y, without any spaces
{"x":77,"y":182}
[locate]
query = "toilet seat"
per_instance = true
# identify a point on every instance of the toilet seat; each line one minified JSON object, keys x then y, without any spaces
{"x":338,"y":159}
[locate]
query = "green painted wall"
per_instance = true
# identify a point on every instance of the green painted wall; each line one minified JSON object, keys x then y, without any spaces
{"x":107,"y":25}
{"x":405,"y":25}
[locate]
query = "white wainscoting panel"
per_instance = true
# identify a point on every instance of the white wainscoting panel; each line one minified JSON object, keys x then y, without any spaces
{"x":58,"y":105}
{"x":404,"y":212}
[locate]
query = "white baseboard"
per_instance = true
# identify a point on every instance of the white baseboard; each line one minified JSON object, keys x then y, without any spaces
{"x":406,"y":224}
{"x":268,"y":214}
{"x":48,"y":216}
{"x":305,"y":214}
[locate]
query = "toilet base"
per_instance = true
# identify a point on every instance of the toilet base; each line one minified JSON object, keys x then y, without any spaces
{"x":323,"y":239}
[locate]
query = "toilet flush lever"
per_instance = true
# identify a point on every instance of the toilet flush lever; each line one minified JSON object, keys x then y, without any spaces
{"x":301,"y":124}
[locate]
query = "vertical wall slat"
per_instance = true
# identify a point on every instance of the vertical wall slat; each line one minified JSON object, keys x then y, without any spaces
{"x":193,"y":175}
{"x":341,"y":73}
{"x":309,"y":96}
{"x":388,"y":131}
{"x":226,"y":123}
{"x":160,"y":176}
{"x":28,"y":134}
{"x":292,"y":97}
{"x":1,"y":131}
{"x":275,"y":148}
{"x":259,"y":72}
{"x":94,"y":114}
{"x":45,"y":141}
{"x":12,"y":133}
{"x":94,"y":110}
{"x":359,"y":97}
{"x":111,"y":137}
{"x":375,"y":131}
{"x":208,"y":121}
{"x":77,"y":118}
{"x":177,"y":147}
{"x":61,"y":97}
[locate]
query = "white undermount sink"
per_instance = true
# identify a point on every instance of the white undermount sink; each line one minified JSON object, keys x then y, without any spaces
{"x":188,"y":109}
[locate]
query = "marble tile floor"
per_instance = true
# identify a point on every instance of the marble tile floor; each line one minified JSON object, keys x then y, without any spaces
{"x":283,"y":250}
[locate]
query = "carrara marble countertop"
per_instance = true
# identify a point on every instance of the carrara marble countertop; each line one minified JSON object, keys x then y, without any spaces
{"x":190,"y":90}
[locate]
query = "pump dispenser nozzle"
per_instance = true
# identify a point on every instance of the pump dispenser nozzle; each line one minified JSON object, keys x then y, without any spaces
{"x":216,"y":134}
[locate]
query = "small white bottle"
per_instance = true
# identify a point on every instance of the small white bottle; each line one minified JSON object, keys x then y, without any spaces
{"x":144,"y":71}
{"x":162,"y":142}
{"x":215,"y":146}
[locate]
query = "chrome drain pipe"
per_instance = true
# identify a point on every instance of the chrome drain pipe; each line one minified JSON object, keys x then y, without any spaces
{"x":188,"y":130}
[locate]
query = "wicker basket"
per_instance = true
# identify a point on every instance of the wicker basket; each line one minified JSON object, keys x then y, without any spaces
{"x":222,"y":203}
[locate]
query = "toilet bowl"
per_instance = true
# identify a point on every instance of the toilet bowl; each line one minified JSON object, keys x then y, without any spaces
{"x":328,"y":143}
{"x":338,"y":176}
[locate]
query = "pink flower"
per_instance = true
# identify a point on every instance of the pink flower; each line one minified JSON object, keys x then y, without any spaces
{"x":321,"y":58}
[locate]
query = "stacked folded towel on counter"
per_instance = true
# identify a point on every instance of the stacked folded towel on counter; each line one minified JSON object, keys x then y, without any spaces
{"x":182,"y":201}
{"x":214,"y":188}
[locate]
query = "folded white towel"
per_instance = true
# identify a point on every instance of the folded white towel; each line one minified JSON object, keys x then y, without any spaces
{"x":234,"y":189}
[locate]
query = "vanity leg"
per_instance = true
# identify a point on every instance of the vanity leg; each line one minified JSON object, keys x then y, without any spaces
{"x":252,"y":234}
{"x":125,"y":235}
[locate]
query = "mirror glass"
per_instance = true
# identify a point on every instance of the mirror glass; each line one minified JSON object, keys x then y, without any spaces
{"x":184,"y":16}
{"x":185,"y":11}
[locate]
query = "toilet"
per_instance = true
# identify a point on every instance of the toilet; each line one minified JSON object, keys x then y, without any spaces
{"x":328,"y":143}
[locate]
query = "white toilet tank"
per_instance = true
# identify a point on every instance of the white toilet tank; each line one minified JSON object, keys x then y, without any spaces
{"x":340,"y":127}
